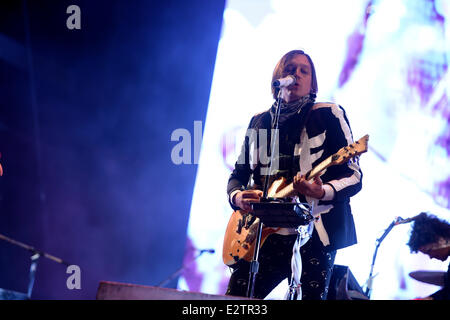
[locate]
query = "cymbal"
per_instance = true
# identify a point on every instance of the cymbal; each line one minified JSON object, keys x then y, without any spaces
{"x":430,"y":277}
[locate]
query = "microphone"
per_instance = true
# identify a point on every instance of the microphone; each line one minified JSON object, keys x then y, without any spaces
{"x":400,"y":220}
{"x":173,"y":275}
{"x":207,"y":250}
{"x":284,"y":82}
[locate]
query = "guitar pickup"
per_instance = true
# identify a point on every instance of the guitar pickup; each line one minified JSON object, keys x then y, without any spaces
{"x":240,"y":225}
{"x":249,"y":221}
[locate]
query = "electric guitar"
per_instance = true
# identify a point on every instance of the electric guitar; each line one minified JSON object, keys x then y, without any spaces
{"x":241,"y":232}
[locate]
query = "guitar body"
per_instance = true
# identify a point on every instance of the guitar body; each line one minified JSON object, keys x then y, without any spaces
{"x":240,"y":235}
{"x":239,"y":242}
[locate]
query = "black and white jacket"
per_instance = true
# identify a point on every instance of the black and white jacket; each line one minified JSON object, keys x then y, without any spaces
{"x":302,"y":146}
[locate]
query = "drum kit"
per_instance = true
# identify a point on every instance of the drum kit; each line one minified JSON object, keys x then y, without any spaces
{"x":436,"y":278}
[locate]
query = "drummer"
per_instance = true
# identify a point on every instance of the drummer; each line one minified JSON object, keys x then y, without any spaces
{"x":431,"y":236}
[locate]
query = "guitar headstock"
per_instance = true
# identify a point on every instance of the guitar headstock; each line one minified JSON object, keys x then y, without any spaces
{"x":350,"y":151}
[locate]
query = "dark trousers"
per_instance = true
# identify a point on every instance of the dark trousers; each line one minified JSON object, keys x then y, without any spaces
{"x":275,"y":266}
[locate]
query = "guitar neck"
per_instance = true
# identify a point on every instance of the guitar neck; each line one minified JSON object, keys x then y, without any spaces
{"x":311,"y":174}
{"x":289,"y":190}
{"x":339,"y":157}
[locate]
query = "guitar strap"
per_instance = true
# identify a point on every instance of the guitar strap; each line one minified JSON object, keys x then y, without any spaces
{"x":294,"y":291}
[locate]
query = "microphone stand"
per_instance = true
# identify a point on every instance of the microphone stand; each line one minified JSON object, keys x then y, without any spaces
{"x":396,"y":221}
{"x":177,"y":272}
{"x":254,"y":264}
{"x":13,"y":295}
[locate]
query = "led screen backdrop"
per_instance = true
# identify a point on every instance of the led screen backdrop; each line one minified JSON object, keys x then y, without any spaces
{"x":386,"y":63}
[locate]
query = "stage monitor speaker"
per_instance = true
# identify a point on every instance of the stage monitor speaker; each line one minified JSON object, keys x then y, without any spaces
{"x":108,"y":290}
{"x":344,"y":286}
